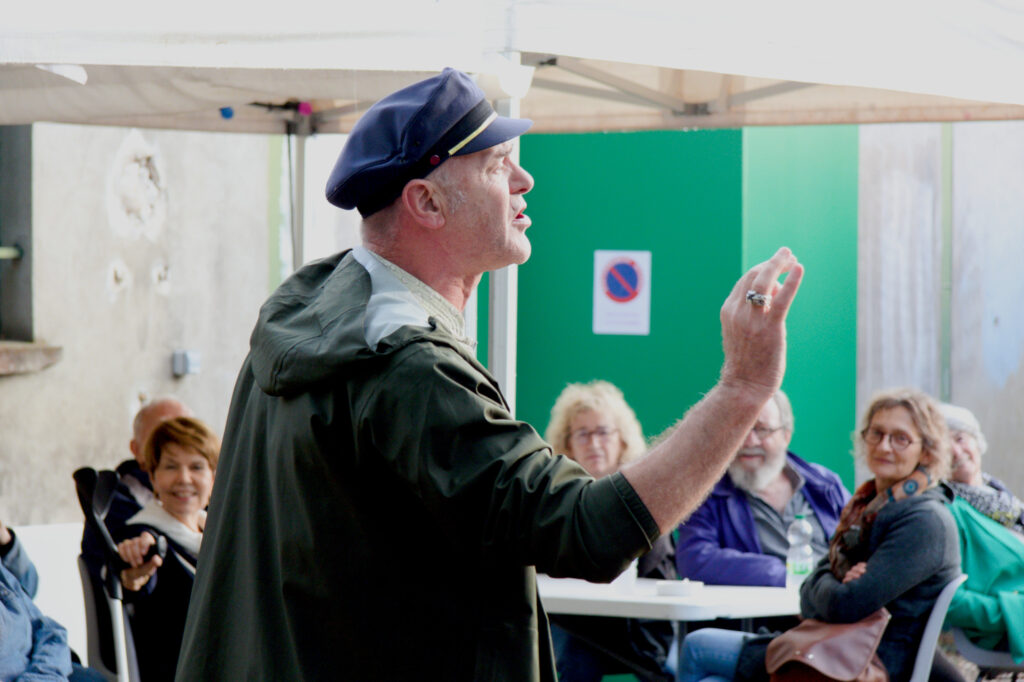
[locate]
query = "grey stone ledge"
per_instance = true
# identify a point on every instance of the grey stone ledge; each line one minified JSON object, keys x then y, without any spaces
{"x":21,"y":357}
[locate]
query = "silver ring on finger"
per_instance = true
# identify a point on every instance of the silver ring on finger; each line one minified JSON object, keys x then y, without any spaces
{"x":760,"y":300}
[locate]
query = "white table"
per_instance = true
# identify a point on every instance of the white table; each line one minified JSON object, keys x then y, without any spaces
{"x":639,"y":600}
{"x":568,"y":595}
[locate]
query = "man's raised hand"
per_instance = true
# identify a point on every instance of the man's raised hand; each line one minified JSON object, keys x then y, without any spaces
{"x":754,"y":327}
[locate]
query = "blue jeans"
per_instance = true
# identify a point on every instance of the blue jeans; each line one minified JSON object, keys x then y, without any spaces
{"x":710,"y":654}
{"x":79,"y":673}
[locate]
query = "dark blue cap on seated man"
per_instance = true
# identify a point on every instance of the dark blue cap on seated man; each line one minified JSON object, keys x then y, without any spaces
{"x":411,"y":132}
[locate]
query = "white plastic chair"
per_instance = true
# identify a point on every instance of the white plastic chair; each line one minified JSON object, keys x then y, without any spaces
{"x":930,"y":638}
{"x":990,"y":663}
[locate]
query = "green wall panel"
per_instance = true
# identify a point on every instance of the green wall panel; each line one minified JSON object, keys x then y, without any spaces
{"x":483,"y":308}
{"x":800,"y":190}
{"x":676,"y":194}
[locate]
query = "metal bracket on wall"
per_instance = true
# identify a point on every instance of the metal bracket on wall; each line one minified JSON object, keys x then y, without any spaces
{"x":16,"y":233}
{"x":11,"y":252}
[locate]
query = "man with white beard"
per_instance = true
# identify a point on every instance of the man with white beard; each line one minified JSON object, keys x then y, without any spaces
{"x":738,"y":535}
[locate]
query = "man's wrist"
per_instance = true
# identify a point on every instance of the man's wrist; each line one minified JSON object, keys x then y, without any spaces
{"x":746,"y":397}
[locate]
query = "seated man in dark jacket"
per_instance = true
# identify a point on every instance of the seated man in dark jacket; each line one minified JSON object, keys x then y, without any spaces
{"x":738,"y":536}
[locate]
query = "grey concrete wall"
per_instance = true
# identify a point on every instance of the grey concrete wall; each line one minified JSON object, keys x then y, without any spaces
{"x":144,"y":242}
{"x":900,"y":238}
{"x":899,"y":251}
{"x":328,"y":228}
{"x":987,"y":315}
{"x":900,"y":291}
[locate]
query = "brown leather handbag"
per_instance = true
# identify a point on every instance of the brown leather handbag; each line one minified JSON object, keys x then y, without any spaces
{"x":814,"y":651}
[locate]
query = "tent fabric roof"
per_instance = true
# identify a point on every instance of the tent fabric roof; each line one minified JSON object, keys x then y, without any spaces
{"x":596,"y":64}
{"x":968,"y":49}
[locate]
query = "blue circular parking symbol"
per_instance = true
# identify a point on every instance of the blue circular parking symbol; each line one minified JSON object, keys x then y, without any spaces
{"x":622,"y":280}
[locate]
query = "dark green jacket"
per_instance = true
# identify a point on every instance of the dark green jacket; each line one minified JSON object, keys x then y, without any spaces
{"x":377,"y":513}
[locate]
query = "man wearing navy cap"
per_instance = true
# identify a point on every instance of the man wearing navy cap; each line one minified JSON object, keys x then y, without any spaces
{"x":378,"y":513}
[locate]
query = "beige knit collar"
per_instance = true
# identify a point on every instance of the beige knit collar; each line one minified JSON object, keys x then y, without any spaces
{"x":448,"y":317}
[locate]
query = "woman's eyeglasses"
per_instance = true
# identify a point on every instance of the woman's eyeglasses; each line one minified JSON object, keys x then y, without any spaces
{"x":583,"y":436}
{"x":898,"y":440}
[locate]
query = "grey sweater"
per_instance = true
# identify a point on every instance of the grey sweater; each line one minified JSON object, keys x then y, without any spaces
{"x":913,"y":553}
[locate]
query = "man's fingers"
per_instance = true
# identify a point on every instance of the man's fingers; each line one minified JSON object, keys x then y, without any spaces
{"x":743,"y":284}
{"x":767,"y":274}
{"x":787,"y":292}
{"x":763,"y":277}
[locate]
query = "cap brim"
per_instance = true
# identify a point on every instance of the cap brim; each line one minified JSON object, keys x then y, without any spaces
{"x":502,"y":129}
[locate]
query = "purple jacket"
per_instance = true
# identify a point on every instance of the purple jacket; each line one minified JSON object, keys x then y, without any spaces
{"x":718,"y":544}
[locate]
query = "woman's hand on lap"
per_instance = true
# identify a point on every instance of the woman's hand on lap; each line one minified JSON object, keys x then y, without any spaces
{"x":133,"y":552}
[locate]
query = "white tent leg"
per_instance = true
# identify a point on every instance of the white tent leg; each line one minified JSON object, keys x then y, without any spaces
{"x":504,"y":294}
{"x":297,"y":187}
{"x":501,"y":355}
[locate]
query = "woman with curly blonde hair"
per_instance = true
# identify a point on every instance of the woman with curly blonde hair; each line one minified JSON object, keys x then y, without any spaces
{"x":592,"y":424}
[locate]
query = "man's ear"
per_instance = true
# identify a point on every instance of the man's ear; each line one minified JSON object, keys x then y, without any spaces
{"x":425,"y":202}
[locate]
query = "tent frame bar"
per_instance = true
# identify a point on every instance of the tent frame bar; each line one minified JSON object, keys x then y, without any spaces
{"x":625,"y":90}
{"x":641,"y":92}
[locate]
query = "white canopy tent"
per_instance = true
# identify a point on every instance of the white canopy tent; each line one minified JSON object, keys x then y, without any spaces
{"x":571,"y":65}
{"x":600,"y":64}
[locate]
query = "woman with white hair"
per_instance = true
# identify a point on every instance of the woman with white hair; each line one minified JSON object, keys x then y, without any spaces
{"x":987,"y":606}
{"x":987,"y":494}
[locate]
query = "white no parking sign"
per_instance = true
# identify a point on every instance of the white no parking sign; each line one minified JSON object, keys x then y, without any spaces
{"x":622,"y":292}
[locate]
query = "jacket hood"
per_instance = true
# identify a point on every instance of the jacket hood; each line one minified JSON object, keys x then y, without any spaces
{"x":330,"y":313}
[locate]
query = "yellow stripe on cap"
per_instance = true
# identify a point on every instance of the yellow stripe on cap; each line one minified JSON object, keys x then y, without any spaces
{"x":469,"y":138}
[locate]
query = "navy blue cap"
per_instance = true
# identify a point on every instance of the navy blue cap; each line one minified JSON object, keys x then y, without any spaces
{"x":411,"y":132}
